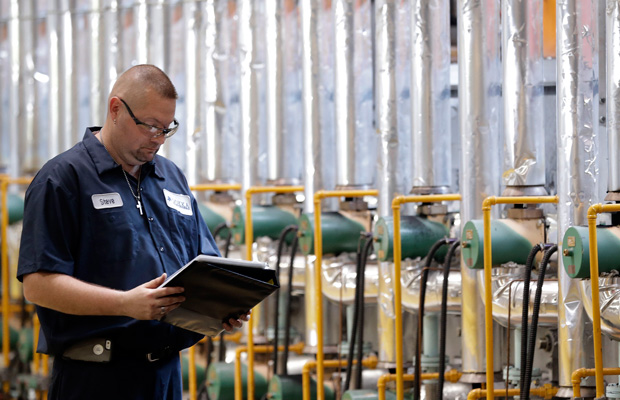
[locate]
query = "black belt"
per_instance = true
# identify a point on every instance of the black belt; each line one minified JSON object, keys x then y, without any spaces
{"x":105,"y":350}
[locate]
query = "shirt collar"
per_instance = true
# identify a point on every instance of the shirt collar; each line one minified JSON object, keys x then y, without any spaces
{"x":102,"y":159}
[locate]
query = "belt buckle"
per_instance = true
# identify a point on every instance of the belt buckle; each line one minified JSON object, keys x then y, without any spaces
{"x":151,"y":358}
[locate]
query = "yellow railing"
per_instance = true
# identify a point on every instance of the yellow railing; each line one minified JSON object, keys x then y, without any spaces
{"x":593,"y":212}
{"x":6,"y":309}
{"x":370,"y":362}
{"x":249,"y":236}
{"x":488,"y":295}
{"x":580,"y":373}
{"x":396,"y":203}
{"x":318,"y":251}
{"x":450,"y":376}
{"x":297,"y":348}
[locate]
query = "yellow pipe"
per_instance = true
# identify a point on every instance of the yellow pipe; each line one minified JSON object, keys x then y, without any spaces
{"x":191,"y":372}
{"x":216,"y":187}
{"x":369,"y":362}
{"x":488,"y":296}
{"x":4,"y":222}
{"x":297,"y":348}
{"x":547,"y":391}
{"x":593,"y":211}
{"x":580,"y":373}
{"x":36,"y":324}
{"x":452,"y":376}
{"x":400,"y":390}
{"x":249,"y":237}
{"x":318,"y":251}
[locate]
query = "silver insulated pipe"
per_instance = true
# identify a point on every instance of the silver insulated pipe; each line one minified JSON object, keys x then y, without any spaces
{"x":313,"y":174}
{"x":613,"y":93}
{"x":387,"y":121}
{"x":249,"y":94}
{"x":430,"y":96}
{"x":479,"y":120}
{"x":522,"y":34}
{"x":578,"y":165}
{"x":354,"y":146}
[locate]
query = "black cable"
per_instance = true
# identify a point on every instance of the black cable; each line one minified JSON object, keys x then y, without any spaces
{"x":535,"y":312}
{"x":281,"y":241}
{"x":360,"y":310}
{"x":529,"y":265}
{"x":221,"y":351}
{"x":287,"y":320}
{"x":444,"y":316}
{"x":418,"y":343}
{"x":218,"y":228}
{"x":227,"y":244}
{"x":355,"y":324}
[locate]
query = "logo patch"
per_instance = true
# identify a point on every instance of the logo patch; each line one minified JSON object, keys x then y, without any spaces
{"x":180,"y":202}
{"x":107,"y":200}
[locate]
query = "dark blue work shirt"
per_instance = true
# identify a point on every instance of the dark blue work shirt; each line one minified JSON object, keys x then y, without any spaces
{"x":81,"y":220}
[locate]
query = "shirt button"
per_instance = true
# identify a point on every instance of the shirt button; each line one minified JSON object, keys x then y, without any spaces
{"x":151,"y":219}
{"x":161,"y":249}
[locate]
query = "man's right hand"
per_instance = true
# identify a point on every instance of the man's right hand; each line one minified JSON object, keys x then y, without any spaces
{"x":148,"y":301}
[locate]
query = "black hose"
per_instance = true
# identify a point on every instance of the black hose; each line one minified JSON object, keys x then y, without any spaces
{"x":355,"y":324}
{"x":529,"y":265}
{"x":418,"y":343}
{"x":218,"y":228}
{"x":287,"y":321}
{"x":525,"y":394}
{"x":444,"y":316}
{"x":281,"y":241}
{"x":360,"y":310}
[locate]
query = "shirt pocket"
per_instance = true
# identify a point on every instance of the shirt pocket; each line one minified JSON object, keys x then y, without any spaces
{"x":115,"y":236}
{"x":184,"y":234}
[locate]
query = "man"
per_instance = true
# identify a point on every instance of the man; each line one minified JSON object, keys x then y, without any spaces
{"x":104,"y":224}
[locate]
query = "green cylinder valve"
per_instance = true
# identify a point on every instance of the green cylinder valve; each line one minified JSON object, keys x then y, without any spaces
{"x":417,"y":237}
{"x":340,"y":234}
{"x":16,"y":208}
{"x":576,"y":250}
{"x":508,"y":244}
{"x":267,"y":221}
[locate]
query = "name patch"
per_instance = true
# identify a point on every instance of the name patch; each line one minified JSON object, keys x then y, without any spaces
{"x":180,"y":202}
{"x":107,"y":200}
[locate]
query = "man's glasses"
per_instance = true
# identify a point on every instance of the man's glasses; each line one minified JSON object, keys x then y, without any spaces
{"x":154,"y":130}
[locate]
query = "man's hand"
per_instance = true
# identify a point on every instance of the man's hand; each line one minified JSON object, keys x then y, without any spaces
{"x":147,"y":301}
{"x":236,"y":323}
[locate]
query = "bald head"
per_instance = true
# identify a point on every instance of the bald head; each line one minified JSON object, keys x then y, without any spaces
{"x":140,"y":80}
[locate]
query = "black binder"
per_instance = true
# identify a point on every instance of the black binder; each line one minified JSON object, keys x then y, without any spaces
{"x":217,"y":289}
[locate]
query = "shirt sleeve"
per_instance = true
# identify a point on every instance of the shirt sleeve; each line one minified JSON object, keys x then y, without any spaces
{"x":49,"y":235}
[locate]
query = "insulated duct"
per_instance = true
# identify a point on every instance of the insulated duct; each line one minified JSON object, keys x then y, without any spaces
{"x":613,"y":93}
{"x":54,"y":96}
{"x":578,"y":164}
{"x":479,"y":120}
{"x":67,"y":74}
{"x":432,"y":303}
{"x":96,"y":95}
{"x":430,"y":96}
{"x":387,"y":161}
{"x":28,"y":135}
{"x":522,"y":40}
{"x":15,"y":126}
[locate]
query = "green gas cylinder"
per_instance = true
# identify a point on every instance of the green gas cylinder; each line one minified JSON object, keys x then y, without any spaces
{"x":211,"y":218}
{"x":418,"y":235}
{"x":510,"y":241}
{"x":340,"y":234}
{"x":266,"y":221}
{"x":201,"y":374}
{"x":221,"y":382}
{"x":16,"y":208}
{"x":291,"y":387}
{"x":576,"y":250}
{"x":25,"y":344}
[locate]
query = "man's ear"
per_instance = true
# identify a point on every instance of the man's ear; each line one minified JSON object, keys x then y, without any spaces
{"x":114,"y":107}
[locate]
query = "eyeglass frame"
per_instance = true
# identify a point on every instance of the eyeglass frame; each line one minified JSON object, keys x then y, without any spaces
{"x":165,"y":132}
